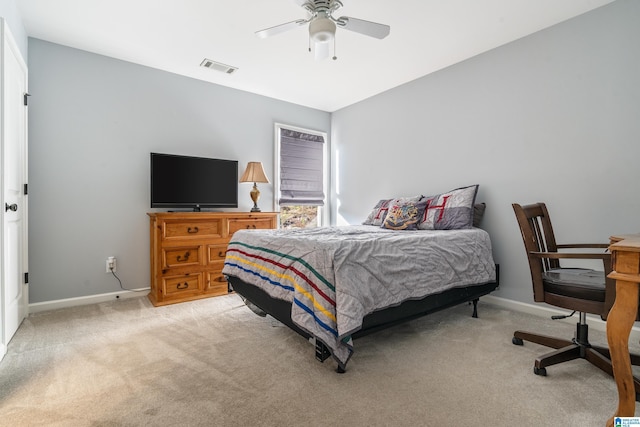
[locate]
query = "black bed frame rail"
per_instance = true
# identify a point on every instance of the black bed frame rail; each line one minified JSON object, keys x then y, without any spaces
{"x":322,"y":351}
{"x":376,"y":321}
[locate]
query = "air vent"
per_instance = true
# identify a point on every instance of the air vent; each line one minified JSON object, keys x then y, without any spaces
{"x":208,"y":63}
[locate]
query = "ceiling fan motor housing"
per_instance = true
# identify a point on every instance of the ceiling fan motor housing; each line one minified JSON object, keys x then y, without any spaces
{"x":327,"y":6}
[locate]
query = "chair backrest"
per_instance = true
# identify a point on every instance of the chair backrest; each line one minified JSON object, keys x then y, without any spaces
{"x":537,"y":234}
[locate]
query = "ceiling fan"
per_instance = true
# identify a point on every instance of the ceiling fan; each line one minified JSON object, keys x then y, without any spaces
{"x":322,"y":25}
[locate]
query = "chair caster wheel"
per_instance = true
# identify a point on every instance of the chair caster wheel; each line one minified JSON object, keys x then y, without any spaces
{"x":540,"y":371}
{"x":517,"y":341}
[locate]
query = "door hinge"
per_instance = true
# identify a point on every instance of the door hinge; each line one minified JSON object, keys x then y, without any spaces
{"x":26,"y":189}
{"x":26,"y":277}
{"x":26,"y":98}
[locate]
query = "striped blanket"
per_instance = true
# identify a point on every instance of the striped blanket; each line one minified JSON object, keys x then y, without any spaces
{"x":334,"y":276}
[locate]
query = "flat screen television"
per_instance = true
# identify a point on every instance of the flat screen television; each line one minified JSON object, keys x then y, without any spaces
{"x":183,"y":182}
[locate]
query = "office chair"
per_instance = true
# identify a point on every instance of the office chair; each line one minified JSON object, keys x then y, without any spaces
{"x":577,"y":289}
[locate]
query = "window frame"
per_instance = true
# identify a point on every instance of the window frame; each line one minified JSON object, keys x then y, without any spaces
{"x":323,"y":211}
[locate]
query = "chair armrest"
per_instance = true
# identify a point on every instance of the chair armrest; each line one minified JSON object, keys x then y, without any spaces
{"x":583,"y":245}
{"x":572,"y":255}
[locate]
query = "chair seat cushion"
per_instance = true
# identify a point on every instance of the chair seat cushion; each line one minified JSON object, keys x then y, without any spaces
{"x":579,"y":283}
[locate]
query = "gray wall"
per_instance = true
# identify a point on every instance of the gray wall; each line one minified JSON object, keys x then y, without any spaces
{"x":93,"y":121}
{"x":552,"y":117}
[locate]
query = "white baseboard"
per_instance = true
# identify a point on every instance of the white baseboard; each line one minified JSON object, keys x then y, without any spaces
{"x":91,"y":299}
{"x":541,"y":310}
{"x":544,"y":310}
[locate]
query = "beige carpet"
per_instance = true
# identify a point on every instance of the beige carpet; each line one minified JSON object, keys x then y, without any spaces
{"x":215,"y":363}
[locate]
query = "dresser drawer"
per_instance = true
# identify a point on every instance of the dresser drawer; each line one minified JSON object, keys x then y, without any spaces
{"x":211,"y":228}
{"x":249,"y":224}
{"x":216,"y":254}
{"x":216,"y":283}
{"x":180,"y":257}
{"x":179,"y":286}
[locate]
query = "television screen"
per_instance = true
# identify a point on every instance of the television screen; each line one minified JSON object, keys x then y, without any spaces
{"x":184,"y":182}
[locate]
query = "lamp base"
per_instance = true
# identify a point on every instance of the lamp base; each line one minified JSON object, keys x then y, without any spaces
{"x":255,"y":195}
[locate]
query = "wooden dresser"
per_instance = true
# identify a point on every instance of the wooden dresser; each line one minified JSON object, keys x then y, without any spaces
{"x":188,"y":251}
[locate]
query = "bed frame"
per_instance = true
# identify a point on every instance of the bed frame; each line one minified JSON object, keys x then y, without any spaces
{"x":408,"y":310}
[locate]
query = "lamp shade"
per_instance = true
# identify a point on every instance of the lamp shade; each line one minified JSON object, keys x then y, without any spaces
{"x":254,"y":173}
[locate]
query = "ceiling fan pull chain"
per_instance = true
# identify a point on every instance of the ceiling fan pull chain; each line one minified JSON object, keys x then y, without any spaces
{"x":334,"y":49}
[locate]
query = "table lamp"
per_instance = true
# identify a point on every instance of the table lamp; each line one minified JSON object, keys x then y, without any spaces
{"x":254,"y":173}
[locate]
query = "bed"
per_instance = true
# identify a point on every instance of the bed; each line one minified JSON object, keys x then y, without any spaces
{"x":411,"y":256}
{"x":334,"y":284}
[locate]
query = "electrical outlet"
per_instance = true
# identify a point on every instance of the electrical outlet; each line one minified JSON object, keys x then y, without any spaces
{"x":111,"y":264}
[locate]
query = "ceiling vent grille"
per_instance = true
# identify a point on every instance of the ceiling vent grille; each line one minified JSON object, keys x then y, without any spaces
{"x":208,"y":63}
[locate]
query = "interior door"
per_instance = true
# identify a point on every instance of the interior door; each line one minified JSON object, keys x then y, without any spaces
{"x":13,"y":149}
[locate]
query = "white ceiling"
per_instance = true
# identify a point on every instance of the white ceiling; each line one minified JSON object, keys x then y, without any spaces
{"x":176,"y":35}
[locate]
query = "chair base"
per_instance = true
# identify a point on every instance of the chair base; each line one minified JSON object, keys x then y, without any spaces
{"x":577,"y":348}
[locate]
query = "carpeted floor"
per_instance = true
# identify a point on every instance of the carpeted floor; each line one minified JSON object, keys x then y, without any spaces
{"x":215,"y":363}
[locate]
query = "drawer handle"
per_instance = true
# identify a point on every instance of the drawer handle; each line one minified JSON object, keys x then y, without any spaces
{"x":222,"y":254}
{"x":250,"y":226}
{"x":186,"y":257}
{"x":193,"y":230}
{"x":184,"y":285}
{"x":221,"y":279}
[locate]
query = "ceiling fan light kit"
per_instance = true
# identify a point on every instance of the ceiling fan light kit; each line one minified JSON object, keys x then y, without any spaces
{"x":322,"y":30}
{"x":322,"y":25}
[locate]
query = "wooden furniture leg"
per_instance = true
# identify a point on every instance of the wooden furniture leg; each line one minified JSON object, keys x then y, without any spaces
{"x":626,"y":265}
{"x":619,"y":323}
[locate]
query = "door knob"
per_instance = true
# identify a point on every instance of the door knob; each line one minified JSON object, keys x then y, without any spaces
{"x":8,"y":207}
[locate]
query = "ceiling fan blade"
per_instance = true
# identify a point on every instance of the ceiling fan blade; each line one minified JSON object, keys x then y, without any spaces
{"x":361,"y":26}
{"x":272,"y":31}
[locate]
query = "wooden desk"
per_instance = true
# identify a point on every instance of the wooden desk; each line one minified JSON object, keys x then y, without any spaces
{"x":625,"y":250}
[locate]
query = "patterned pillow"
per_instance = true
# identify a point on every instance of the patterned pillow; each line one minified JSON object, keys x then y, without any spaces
{"x":404,"y":214}
{"x":452,"y":210}
{"x":379,"y":212}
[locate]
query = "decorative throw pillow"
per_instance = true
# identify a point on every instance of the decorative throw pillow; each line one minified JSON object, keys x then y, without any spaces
{"x":404,"y":214}
{"x":379,"y":212}
{"x":452,"y":210}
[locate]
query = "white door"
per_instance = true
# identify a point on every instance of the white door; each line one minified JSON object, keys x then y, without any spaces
{"x":13,"y":177}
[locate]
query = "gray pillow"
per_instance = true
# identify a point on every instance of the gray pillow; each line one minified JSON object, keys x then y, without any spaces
{"x":478,"y":213}
{"x":378,"y":213}
{"x":452,"y":210}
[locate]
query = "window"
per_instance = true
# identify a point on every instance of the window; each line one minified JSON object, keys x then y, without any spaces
{"x":300,"y":161}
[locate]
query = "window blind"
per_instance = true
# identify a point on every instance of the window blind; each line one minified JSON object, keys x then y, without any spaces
{"x":301,"y":168}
